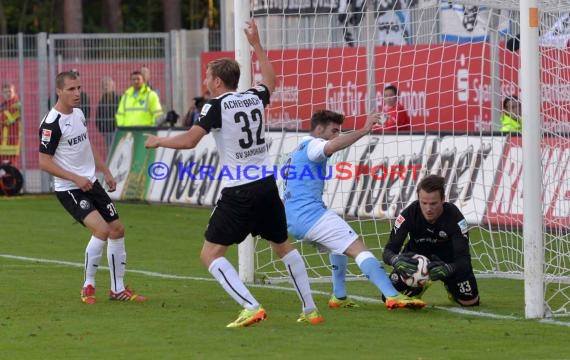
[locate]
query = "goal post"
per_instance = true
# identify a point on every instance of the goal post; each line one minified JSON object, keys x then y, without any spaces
{"x":246,"y":249}
{"x":454,"y":65}
{"x":531,"y":137}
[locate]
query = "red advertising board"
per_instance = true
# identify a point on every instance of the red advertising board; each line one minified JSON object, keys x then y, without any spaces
{"x":444,"y":87}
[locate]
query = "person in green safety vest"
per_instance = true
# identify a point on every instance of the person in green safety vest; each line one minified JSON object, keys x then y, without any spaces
{"x":139,"y":105}
{"x":511,"y":118}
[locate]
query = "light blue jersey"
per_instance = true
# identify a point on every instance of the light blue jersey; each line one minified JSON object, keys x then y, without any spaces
{"x":303,"y":193}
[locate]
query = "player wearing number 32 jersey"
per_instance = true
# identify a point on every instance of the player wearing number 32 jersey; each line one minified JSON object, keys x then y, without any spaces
{"x":235,"y":119}
{"x":249,"y":203}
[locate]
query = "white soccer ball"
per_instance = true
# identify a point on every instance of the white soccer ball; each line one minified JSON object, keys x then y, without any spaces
{"x":421,"y":276}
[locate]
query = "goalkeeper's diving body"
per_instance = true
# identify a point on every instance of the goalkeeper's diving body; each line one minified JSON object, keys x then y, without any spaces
{"x":438,"y":230}
{"x":246,"y":204}
{"x":308,"y":218}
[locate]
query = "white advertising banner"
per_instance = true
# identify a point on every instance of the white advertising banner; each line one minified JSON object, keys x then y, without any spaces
{"x":376,"y":177}
{"x":460,"y":24}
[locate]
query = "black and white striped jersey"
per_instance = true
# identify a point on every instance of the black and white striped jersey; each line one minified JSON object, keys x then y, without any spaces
{"x":64,"y":136}
{"x":236,"y":120}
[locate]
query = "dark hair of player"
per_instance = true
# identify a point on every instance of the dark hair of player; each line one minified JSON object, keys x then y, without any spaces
{"x":324,"y":117}
{"x":432,"y":183}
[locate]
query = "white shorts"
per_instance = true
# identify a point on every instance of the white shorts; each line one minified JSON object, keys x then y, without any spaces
{"x":332,"y":233}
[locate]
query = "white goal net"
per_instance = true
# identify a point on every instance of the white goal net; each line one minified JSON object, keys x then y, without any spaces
{"x":453,"y":64}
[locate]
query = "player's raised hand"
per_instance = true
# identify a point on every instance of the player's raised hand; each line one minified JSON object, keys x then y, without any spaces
{"x":371,"y":120}
{"x":151,"y":141}
{"x":252,"y":33}
{"x":405,"y":264}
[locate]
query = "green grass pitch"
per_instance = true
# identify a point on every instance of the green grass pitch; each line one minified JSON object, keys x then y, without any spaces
{"x":41,"y":317}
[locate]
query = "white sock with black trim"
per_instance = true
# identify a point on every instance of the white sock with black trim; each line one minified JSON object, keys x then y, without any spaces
{"x":117,"y":258}
{"x":93,"y":254}
{"x":228,"y":277}
{"x":298,"y":273}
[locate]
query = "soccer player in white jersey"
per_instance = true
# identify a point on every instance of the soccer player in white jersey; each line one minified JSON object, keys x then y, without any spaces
{"x":309,"y":219}
{"x":66,"y":153}
{"x":249,"y":203}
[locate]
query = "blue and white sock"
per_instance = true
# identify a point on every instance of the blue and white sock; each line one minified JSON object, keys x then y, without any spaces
{"x":338,"y":269}
{"x":374,"y":270}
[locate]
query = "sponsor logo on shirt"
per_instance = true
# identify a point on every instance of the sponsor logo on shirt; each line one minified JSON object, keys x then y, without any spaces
{"x":399,"y":221}
{"x":76,"y":140}
{"x":463,"y":226}
{"x":426,"y":240}
{"x":205,"y":109}
{"x":46,"y":137}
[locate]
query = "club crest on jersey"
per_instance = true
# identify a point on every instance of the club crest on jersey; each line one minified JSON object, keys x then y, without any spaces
{"x":84,"y":204}
{"x":399,"y":221}
{"x":205,"y":109}
{"x":442,"y":234}
{"x":46,"y":135}
{"x":463,"y":226}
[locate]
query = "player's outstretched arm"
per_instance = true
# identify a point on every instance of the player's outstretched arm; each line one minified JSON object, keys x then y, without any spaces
{"x":187,"y":140}
{"x":268,"y":77}
{"x":344,"y":141}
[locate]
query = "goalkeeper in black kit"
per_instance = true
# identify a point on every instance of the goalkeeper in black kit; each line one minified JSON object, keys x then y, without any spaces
{"x":437,"y":230}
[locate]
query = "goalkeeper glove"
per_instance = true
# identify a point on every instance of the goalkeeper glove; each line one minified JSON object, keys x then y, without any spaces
{"x":405,"y":264}
{"x":439,"y":270}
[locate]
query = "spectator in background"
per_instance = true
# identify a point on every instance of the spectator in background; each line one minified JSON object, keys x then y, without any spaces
{"x":396,"y":117}
{"x":193,"y":113}
{"x":145,"y":71}
{"x":105,"y":117}
{"x":139,"y":105}
{"x":10,"y":124}
{"x":511,"y":118}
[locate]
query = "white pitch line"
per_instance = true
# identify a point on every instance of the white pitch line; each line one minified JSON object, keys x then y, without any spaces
{"x":477,"y":313}
{"x":456,"y":310}
{"x":143,"y":272}
{"x":554,"y":322}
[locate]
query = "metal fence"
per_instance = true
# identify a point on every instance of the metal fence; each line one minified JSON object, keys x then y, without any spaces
{"x":31,"y":62}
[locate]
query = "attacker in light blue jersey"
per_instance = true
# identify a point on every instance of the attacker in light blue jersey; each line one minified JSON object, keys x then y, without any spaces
{"x":308,"y":218}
